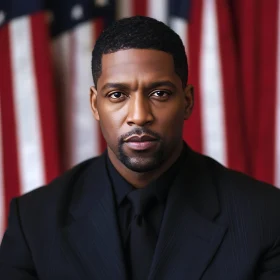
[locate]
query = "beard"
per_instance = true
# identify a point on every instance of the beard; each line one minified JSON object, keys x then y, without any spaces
{"x":141,"y":161}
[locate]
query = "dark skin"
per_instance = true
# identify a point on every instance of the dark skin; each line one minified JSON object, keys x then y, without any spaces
{"x":140,"y":94}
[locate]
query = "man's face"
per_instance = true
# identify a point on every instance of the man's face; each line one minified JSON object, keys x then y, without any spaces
{"x":141,"y":106}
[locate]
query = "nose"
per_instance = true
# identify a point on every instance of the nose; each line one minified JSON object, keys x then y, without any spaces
{"x":139,"y":111}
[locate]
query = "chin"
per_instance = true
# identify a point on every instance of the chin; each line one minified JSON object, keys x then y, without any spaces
{"x":140,"y":165}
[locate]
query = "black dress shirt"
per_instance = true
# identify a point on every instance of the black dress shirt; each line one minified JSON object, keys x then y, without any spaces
{"x":159,"y":187}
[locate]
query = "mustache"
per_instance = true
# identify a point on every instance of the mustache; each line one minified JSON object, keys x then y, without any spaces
{"x":139,"y":131}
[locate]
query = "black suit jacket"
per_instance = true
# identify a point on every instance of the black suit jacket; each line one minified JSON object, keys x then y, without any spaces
{"x":218,"y":224}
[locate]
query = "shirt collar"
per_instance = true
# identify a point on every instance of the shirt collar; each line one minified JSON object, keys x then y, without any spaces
{"x":163,"y":183}
{"x":120,"y":186}
{"x":159,"y":187}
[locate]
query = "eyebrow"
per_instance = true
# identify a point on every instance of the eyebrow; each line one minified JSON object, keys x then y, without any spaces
{"x":152,"y":85}
{"x":161,"y":84}
{"x":115,"y":85}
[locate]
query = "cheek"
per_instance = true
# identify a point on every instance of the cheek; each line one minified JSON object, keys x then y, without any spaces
{"x":171,"y":128}
{"x":171,"y":121}
{"x":110,"y":123}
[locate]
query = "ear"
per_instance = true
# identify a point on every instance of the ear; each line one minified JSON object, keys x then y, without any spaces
{"x":189,"y":101}
{"x":93,"y":102}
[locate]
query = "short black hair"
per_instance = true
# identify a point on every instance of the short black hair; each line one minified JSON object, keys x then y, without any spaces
{"x":140,"y":32}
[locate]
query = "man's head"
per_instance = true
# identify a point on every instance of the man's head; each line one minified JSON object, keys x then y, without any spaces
{"x":140,"y":33}
{"x":141,"y":97}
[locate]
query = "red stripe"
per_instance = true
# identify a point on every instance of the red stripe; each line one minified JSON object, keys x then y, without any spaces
{"x":46,"y":97}
{"x":98,"y":25}
{"x":63,"y":89}
{"x":234,"y":126}
{"x":65,"y":82}
{"x":9,"y":134}
{"x":68,"y":100}
{"x":266,"y":95}
{"x":192,"y":131}
{"x":139,"y":8}
{"x":246,"y":24}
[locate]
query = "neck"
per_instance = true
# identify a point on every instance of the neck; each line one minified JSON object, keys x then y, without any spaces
{"x":141,"y":180}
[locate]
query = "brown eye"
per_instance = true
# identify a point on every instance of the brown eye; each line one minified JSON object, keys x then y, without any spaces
{"x":116,"y":95}
{"x":161,"y":94}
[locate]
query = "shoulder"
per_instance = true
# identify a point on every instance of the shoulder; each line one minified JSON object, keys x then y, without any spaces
{"x":57,"y":193}
{"x":240,"y":184}
{"x":46,"y":208}
{"x":244,"y":199}
{"x":237,"y":192}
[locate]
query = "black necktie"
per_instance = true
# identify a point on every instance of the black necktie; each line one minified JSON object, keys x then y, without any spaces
{"x":142,"y":236}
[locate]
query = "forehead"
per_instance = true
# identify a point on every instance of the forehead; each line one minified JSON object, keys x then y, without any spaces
{"x":136,"y":64}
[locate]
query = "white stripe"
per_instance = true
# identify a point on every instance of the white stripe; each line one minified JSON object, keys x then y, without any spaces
{"x":277,"y":128}
{"x":158,"y":9}
{"x":85,"y":129}
{"x":31,"y":162}
{"x":214,"y":141}
{"x":124,"y":8}
{"x":180,"y":26}
{"x":2,"y":204}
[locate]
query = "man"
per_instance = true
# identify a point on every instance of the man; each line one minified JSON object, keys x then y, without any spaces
{"x":149,"y":207}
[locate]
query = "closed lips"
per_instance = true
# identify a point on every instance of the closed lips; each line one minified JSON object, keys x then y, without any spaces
{"x":143,"y":138}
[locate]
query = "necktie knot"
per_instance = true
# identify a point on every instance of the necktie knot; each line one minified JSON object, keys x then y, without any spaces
{"x":141,"y":200}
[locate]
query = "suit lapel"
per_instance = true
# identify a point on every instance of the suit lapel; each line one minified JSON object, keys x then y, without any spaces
{"x":188,"y":237}
{"x":91,"y":240}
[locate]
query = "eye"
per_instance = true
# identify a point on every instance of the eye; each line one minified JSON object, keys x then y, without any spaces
{"x":116,"y":95}
{"x":161,"y":94}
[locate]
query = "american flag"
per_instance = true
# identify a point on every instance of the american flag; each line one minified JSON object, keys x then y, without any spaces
{"x":46,"y":125}
{"x":75,"y":25}
{"x":28,"y":136}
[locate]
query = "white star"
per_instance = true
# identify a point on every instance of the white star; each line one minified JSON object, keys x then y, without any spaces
{"x":2,"y":17}
{"x":77,"y":12}
{"x":101,"y":3}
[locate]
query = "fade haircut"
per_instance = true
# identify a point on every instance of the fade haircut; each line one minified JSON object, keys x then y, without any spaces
{"x":140,"y":32}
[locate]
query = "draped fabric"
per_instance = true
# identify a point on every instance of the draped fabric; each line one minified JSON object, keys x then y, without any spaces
{"x":46,"y":125}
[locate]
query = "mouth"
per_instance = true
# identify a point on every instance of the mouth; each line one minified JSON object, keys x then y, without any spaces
{"x":141,"y":142}
{"x":140,"y":138}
